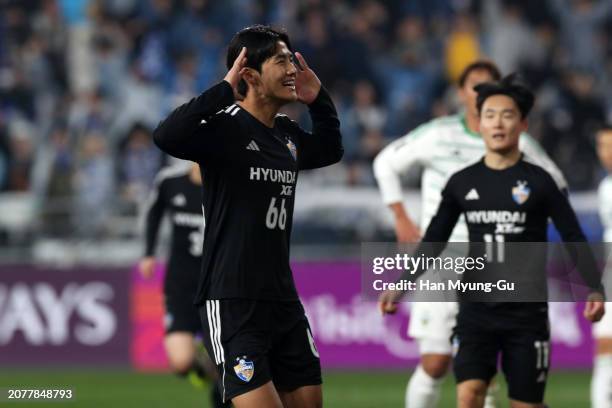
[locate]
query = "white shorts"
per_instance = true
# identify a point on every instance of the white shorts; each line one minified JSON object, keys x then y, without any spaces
{"x":433,"y":322}
{"x":435,"y":346}
{"x":603,"y":328}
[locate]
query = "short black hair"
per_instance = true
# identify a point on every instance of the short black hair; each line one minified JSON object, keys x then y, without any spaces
{"x":484,"y":65}
{"x":511,"y":86}
{"x":604,"y":126}
{"x":260,"y":41}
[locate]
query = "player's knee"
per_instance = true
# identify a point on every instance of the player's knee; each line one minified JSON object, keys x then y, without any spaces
{"x":436,"y":367}
{"x":304,"y":397}
{"x":181,"y":365}
{"x":316,"y":400}
{"x":469,"y":398}
{"x":471,"y":395}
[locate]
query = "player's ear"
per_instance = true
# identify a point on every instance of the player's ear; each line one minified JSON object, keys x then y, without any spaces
{"x":524,"y":125}
{"x":250,"y":76}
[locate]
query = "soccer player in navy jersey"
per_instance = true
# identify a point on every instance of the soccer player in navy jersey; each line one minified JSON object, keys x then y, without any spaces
{"x":505,"y":198}
{"x":250,"y":157}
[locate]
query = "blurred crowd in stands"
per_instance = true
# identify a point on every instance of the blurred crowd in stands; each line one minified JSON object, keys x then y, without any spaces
{"x":84,"y":82}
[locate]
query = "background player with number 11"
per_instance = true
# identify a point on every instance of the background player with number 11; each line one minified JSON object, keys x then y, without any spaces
{"x":441,"y":147}
{"x":504,"y":181}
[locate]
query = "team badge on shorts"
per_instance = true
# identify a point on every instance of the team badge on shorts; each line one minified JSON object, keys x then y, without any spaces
{"x":292,"y":149}
{"x":520,"y":193}
{"x":244,"y":369}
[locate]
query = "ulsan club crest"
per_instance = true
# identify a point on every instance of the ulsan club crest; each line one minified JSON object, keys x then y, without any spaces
{"x":244,"y":369}
{"x":292,"y":149}
{"x":520,"y":193}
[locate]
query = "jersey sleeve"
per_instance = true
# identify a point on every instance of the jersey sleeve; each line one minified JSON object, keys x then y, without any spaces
{"x":562,"y":213}
{"x":534,"y":153}
{"x":193,"y":131}
{"x":153,"y":214}
{"x":439,"y":229}
{"x":569,"y":228}
{"x":395,"y":159}
{"x":323,"y":146}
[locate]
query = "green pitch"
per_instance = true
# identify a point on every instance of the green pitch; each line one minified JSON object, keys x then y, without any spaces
{"x":105,"y":388}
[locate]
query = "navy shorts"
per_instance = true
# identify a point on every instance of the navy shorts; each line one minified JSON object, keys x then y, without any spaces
{"x":524,"y":353}
{"x":253,"y":342}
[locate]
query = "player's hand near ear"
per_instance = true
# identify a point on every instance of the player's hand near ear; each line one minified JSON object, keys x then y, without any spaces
{"x":307,"y":84}
{"x":234,"y":75}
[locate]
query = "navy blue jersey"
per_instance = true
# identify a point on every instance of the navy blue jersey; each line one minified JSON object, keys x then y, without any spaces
{"x":509,"y":205}
{"x":251,"y":173}
{"x":174,"y":195}
{"x":506,"y":206}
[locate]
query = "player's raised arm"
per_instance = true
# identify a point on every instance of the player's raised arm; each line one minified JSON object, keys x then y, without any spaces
{"x":189,"y":131}
{"x":323,"y":146}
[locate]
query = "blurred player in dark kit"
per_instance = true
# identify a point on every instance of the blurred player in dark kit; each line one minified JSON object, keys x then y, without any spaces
{"x":178,"y":194}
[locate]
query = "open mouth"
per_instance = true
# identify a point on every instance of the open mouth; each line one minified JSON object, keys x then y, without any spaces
{"x":290,"y":84}
{"x":499,"y":136}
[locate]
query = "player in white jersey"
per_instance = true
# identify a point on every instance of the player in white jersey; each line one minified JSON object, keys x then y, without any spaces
{"x":601,"y":384}
{"x":441,"y":147}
